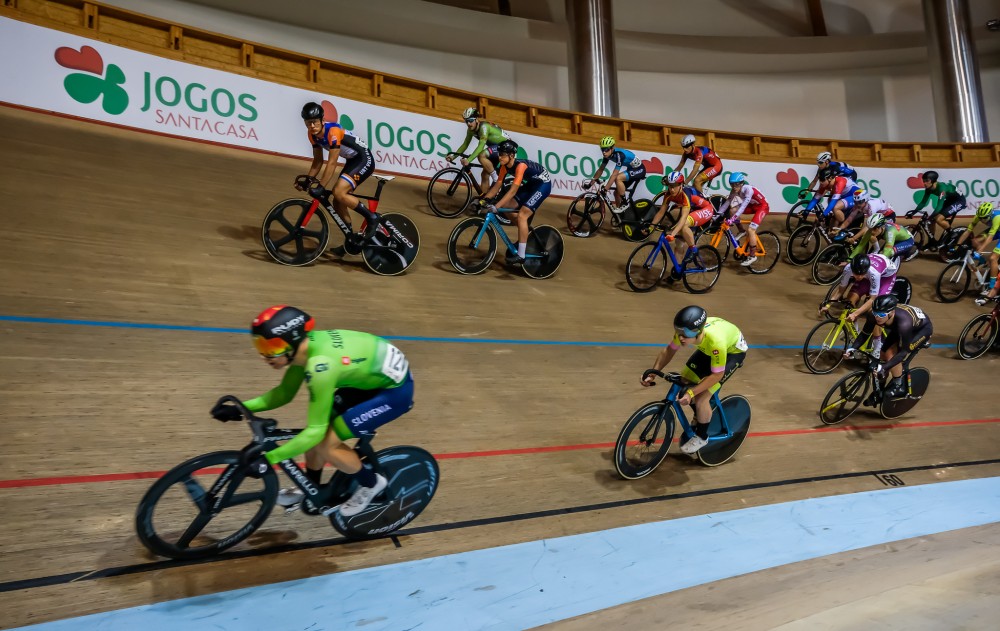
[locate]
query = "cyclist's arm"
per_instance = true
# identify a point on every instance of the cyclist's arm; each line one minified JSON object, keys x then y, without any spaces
{"x":923,"y":200}
{"x":862,"y":246}
{"x":482,"y":142}
{"x":468,"y":138}
{"x":682,"y":220}
{"x":322,"y":386}
{"x":866,"y":331}
{"x":514,"y":185}
{"x":281,"y":395}
{"x":850,"y":218}
{"x":317,"y":162}
{"x":331,"y":168}
{"x":694,"y":170}
{"x":495,"y":189}
{"x":600,"y":170}
{"x":665,"y":355}
{"x":890,"y":240}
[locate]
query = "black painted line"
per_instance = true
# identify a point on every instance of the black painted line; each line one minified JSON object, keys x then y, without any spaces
{"x":62,"y":579}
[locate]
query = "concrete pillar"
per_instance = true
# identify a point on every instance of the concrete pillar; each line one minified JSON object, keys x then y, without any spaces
{"x":958,"y":95}
{"x":593,"y":75}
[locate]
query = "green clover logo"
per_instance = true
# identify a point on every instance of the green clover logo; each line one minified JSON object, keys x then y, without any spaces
{"x":791,"y":193}
{"x":93,"y":83}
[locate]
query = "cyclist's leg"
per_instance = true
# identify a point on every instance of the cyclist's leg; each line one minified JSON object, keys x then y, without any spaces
{"x":620,"y":180}
{"x":751,"y":243}
{"x":529,"y":198}
{"x":488,"y":158}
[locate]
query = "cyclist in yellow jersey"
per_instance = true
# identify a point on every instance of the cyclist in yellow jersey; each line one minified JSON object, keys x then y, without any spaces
{"x":719,"y":350}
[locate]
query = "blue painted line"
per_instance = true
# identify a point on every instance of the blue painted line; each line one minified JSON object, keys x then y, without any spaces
{"x":529,"y":584}
{"x":405,"y":338}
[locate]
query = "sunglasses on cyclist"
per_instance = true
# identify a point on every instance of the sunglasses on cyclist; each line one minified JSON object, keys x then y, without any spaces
{"x":270,"y":348}
{"x":880,"y":314}
{"x":688,"y":333}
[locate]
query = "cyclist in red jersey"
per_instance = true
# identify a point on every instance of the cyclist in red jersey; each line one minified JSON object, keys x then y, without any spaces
{"x":704,"y":158}
{"x":745,"y":198}
{"x":695,"y":209}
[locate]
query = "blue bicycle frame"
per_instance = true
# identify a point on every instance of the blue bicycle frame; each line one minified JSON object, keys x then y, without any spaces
{"x":491,"y":221}
{"x":664,"y":245}
{"x":718,"y":412}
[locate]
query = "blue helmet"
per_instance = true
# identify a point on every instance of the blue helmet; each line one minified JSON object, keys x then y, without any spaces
{"x":737,"y":178}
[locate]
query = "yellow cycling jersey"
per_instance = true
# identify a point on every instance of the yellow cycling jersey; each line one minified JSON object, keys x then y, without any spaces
{"x":719,"y":339}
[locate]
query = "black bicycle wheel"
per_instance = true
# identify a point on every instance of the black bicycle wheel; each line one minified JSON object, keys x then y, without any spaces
{"x":953,"y":282}
{"x":719,"y":451}
{"x":644,"y":441}
{"x":977,"y":337}
{"x":543,"y":253}
{"x":291,"y":239}
{"x":768,"y":252}
{"x":946,"y":250}
{"x":449,"y":192}
{"x":803,"y":244}
{"x":920,"y":378}
{"x":645,"y":267}
{"x":717,"y":201}
{"x":394,"y":246}
{"x":796,"y":216}
{"x":204,"y":506}
{"x":919,"y":237}
{"x":701,"y":271}
{"x":585,"y":215}
{"x":469,"y":251}
{"x":828,"y":266}
{"x":413,"y":477}
{"x":824,"y":348}
{"x":844,"y":397}
{"x":902,"y":289}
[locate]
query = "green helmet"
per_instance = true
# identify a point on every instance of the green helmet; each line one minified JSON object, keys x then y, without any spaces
{"x":607,"y":142}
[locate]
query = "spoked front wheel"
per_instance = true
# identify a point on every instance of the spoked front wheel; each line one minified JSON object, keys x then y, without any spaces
{"x":644,"y":441}
{"x":470,"y":248}
{"x":585,"y":215}
{"x":803,"y":244}
{"x":293,"y":236}
{"x":544,"y":252}
{"x":701,"y":271}
{"x":768,"y":252}
{"x":978,"y":336}
{"x":796,"y":216}
{"x":954,"y":281}
{"x":844,"y":397}
{"x":394,"y":246}
{"x":829,"y":264}
{"x":413,"y":476}
{"x":204,"y":506}
{"x":721,"y":448}
{"x":893,"y":407}
{"x":449,"y":192}
{"x":825,"y":346}
{"x":645,"y":267}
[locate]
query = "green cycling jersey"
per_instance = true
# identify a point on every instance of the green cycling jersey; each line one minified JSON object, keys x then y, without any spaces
{"x":992,"y":222}
{"x":488,"y":133}
{"x":894,"y":233}
{"x":942,"y":190}
{"x":335,"y":359}
{"x":719,"y":340}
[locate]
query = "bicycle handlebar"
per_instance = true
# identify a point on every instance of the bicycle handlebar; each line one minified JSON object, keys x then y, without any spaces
{"x":671,"y":377}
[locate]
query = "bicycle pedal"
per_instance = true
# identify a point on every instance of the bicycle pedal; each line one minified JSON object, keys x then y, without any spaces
{"x":294,"y":508}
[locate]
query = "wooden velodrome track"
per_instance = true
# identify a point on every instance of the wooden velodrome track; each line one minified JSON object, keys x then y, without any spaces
{"x":108,"y":225}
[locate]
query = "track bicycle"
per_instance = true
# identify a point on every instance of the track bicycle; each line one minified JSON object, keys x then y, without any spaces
{"x":296,"y":232}
{"x":587,"y":212}
{"x":980,"y":334}
{"x":829,"y":264}
{"x":209,"y":503}
{"x":868,"y":387}
{"x":902,"y":289}
{"x":827,"y":342}
{"x":645,"y":438}
{"x":450,"y":191}
{"x":958,"y":275}
{"x":923,"y":234}
{"x":798,"y":213}
{"x":646,"y":266}
{"x":472,"y":246}
{"x":720,"y":236}
{"x":804,"y":241}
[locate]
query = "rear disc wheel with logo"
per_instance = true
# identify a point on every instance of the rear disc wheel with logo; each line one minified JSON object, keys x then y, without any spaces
{"x":394,"y":246}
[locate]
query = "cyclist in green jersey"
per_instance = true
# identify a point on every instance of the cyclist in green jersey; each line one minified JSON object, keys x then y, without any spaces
{"x":952,"y":202}
{"x":719,"y":351}
{"x":897,"y":239}
{"x":490,"y":135}
{"x":989,"y":216}
{"x":357,"y":382}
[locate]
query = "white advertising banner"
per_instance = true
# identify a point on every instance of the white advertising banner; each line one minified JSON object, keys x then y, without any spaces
{"x":55,"y":71}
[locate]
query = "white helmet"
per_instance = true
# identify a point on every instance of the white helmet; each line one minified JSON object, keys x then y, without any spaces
{"x":470,"y":114}
{"x":877,"y":220}
{"x":824,"y":156}
{"x":688,"y":140}
{"x":862,"y":196}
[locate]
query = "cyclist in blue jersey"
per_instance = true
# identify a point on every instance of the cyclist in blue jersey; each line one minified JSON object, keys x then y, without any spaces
{"x":628,"y":169}
{"x":529,"y":188}
{"x":824,"y":161}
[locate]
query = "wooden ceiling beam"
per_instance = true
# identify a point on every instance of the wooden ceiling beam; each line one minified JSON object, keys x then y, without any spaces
{"x":816,"y":17}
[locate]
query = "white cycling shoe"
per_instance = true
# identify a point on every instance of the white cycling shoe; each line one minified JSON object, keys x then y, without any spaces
{"x":362,"y":497}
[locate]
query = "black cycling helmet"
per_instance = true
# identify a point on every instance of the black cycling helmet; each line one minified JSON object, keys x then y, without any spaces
{"x":828,"y":173}
{"x":312,"y":110}
{"x":279,"y":330}
{"x":930,"y":176}
{"x":690,"y":321}
{"x":860,"y":264}
{"x":507,"y":147}
{"x":884,"y":304}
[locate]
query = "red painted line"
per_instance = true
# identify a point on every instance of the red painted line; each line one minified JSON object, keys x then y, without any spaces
{"x":140,"y":475}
